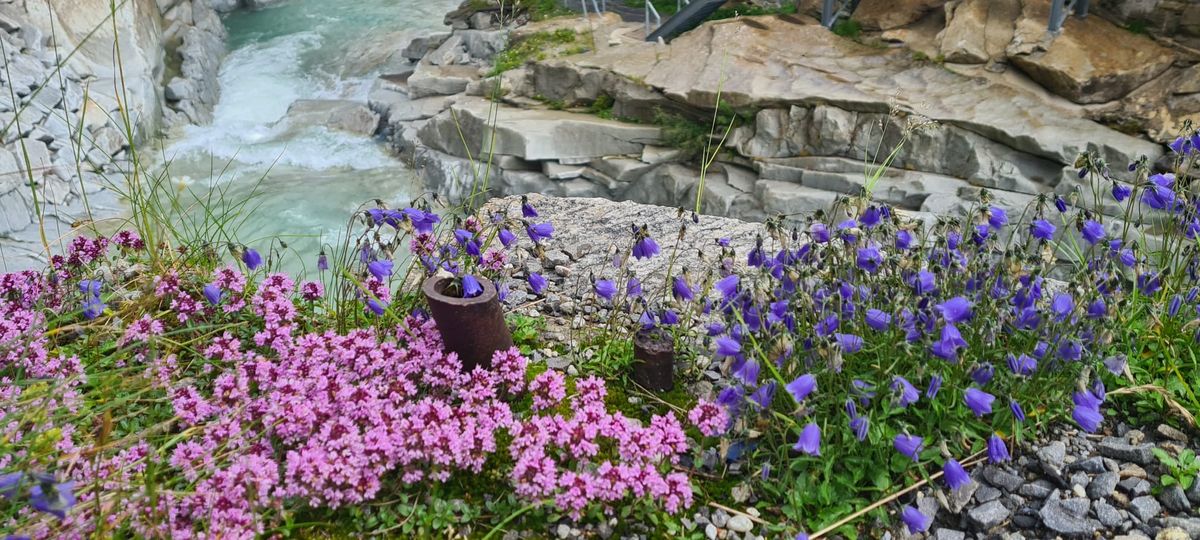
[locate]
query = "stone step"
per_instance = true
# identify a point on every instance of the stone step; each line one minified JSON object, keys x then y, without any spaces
{"x":472,"y":126}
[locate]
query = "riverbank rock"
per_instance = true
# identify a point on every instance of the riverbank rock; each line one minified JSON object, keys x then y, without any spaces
{"x":531,"y":134}
{"x":977,"y":31}
{"x":1093,"y":61}
{"x":342,"y":115}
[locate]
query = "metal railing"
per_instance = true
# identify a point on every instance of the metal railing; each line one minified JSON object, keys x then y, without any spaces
{"x":599,"y":8}
{"x":832,"y":10}
{"x":1059,"y":9}
{"x":651,"y":12}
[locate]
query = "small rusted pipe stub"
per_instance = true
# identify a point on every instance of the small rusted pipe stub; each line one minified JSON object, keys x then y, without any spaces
{"x":472,"y":327}
{"x":654,"y":360}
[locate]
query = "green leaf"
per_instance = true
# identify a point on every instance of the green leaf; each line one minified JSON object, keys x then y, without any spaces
{"x":1168,"y":480}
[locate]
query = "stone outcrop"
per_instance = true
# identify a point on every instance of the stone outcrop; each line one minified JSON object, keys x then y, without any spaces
{"x":336,"y":114}
{"x":889,"y":14}
{"x":66,"y":135}
{"x":1179,"y":18}
{"x":532,"y":134}
{"x":1093,"y":61}
{"x":978,"y":31}
{"x":814,"y":114}
{"x":198,"y":38}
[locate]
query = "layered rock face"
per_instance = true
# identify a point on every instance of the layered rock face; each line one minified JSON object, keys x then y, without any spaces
{"x":66,"y":136}
{"x":196,"y":36}
{"x":820,"y":110}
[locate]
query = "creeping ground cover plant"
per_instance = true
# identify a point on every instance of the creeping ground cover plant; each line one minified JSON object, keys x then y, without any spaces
{"x":862,"y":346}
{"x":208,"y":399}
{"x":159,"y":391}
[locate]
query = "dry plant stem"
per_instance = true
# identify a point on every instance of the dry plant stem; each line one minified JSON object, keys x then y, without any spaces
{"x":975,"y":459}
{"x":1155,"y":389}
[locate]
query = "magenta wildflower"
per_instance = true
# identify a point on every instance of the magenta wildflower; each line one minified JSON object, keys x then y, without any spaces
{"x":710,"y":418}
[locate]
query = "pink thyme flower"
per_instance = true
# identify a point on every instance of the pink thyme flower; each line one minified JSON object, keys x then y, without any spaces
{"x":141,"y":330}
{"x":548,"y":389}
{"x":709,"y":417}
{"x":494,"y":260}
{"x":312,"y":290}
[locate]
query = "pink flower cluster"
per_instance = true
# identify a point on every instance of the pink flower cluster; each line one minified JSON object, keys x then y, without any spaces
{"x":710,"y":418}
{"x":267,"y":417}
{"x":559,"y":457}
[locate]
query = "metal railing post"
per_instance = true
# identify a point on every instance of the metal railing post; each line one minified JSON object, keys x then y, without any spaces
{"x":827,"y":14}
{"x":1057,"y":9}
{"x":652,"y":12}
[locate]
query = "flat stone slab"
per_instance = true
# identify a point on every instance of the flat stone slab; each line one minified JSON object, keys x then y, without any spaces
{"x":1094,"y":61}
{"x":532,"y":134}
{"x":744,"y":62}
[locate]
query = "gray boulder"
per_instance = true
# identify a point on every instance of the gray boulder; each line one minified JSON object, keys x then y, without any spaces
{"x":341,"y":115}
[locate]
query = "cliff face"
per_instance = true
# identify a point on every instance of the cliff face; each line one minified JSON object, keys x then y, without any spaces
{"x":86,"y":75}
{"x":92,"y":28}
